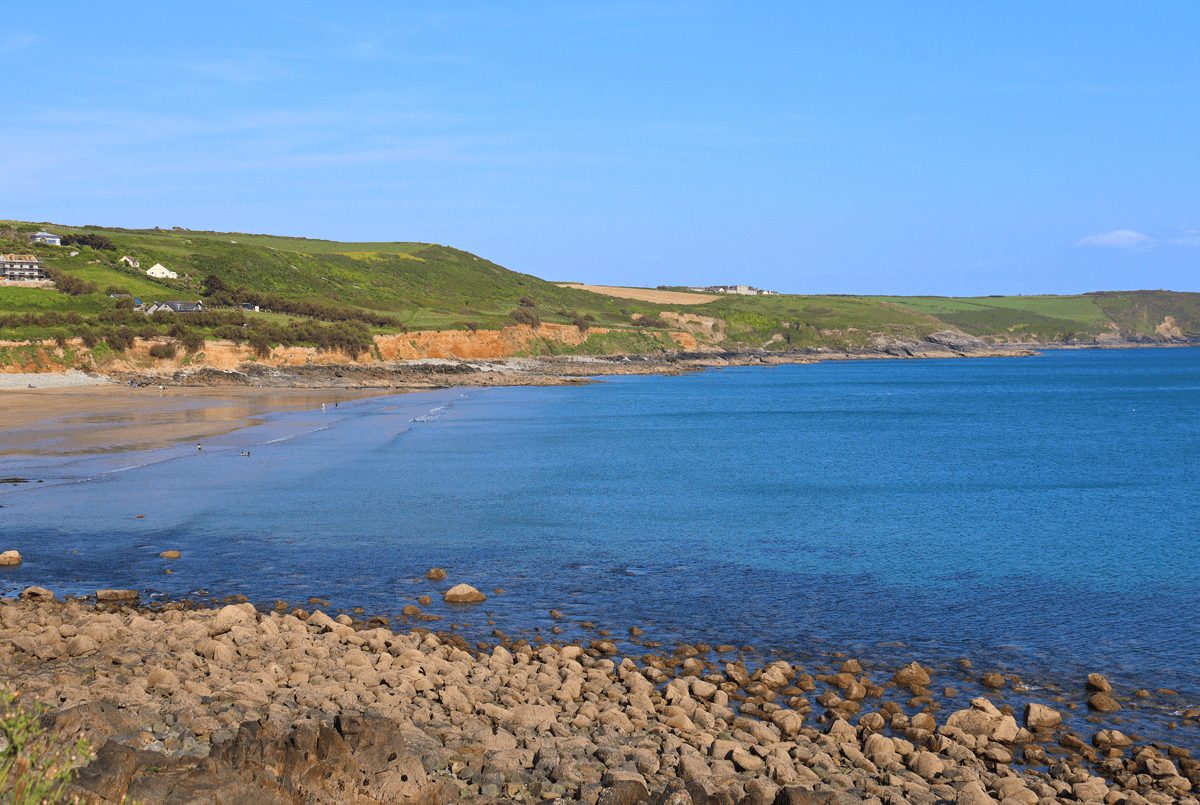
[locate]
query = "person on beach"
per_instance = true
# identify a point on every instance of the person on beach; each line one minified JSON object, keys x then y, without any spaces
{"x":198,"y":447}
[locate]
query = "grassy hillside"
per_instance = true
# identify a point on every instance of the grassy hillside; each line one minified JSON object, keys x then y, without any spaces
{"x":1062,"y":318}
{"x":365,"y":288}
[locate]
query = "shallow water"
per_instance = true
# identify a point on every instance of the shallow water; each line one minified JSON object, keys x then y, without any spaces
{"x":1037,"y":516}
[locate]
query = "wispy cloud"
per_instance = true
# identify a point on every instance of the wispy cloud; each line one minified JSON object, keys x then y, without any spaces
{"x":1187,"y":237}
{"x":1122,"y":239}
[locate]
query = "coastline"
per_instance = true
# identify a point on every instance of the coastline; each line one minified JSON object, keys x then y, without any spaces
{"x":742,"y":777}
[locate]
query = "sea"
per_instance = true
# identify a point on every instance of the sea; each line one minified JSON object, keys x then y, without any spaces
{"x":1035,"y":516}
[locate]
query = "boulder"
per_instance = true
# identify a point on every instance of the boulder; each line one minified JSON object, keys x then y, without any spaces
{"x":984,"y":720}
{"x":117,"y":595}
{"x":81,"y":646}
{"x":1111,"y":738}
{"x":1041,"y":716}
{"x":229,"y":616}
{"x":436,"y":574}
{"x":463,"y":594}
{"x":1098,"y":683}
{"x":37,"y":594}
{"x":10,"y":558}
{"x":623,"y":787}
{"x":1103,"y":703}
{"x":911,"y":675}
{"x":992,"y":680}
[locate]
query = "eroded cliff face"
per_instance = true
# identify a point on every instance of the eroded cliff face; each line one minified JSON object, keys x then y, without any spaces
{"x":46,"y":356}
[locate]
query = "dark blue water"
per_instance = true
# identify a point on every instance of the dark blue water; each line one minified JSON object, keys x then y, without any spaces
{"x":1035,"y":515}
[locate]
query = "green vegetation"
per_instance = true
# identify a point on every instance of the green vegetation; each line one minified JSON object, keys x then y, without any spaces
{"x":338,"y":295}
{"x":34,"y":769}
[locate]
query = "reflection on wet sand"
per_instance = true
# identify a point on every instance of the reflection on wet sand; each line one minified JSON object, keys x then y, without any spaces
{"x":89,"y":421}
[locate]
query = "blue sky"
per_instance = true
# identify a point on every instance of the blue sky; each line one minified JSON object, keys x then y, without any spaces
{"x":853,"y":147}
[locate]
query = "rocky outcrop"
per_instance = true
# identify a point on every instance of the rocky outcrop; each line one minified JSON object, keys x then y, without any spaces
{"x":235,"y":705}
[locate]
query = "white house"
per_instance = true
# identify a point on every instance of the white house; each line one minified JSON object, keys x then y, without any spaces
{"x":175,"y":307}
{"x":161,"y":272}
{"x":132,"y":262}
{"x":48,"y":238}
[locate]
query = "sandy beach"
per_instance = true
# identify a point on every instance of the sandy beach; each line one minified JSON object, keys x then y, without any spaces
{"x":90,"y":419}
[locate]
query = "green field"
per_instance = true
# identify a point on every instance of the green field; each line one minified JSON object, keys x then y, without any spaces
{"x":422,"y":286}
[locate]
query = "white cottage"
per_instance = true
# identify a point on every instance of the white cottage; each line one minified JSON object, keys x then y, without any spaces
{"x":49,"y":238}
{"x":159,"y":271}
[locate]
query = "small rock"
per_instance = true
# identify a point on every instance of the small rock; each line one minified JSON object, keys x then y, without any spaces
{"x":10,"y":558}
{"x":410,"y":610}
{"x":992,"y":680}
{"x":463,"y":594}
{"x":436,"y":574}
{"x":169,"y":555}
{"x":1098,"y":683}
{"x":424,"y":600}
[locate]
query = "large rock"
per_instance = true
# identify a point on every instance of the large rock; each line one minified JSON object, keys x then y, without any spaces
{"x":912,"y":675}
{"x":463,"y":594}
{"x":116,"y":595}
{"x":10,"y":558}
{"x":230,"y":616}
{"x":357,"y":759}
{"x":535,"y":717}
{"x":1103,"y":703}
{"x":1041,"y":716}
{"x":37,"y":594}
{"x":983,"y":719}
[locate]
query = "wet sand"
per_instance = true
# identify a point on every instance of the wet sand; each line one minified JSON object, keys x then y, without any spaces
{"x":88,"y":420}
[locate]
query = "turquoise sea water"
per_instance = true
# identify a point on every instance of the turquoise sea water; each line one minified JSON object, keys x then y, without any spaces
{"x":1035,"y":515}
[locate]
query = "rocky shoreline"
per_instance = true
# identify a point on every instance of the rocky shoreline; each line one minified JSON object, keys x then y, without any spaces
{"x":552,"y":370}
{"x":229,"y":704}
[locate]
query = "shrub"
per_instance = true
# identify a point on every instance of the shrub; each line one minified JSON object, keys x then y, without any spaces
{"x":261,"y":344}
{"x":526,"y":316}
{"x":527,"y":302}
{"x":581,"y":324}
{"x":33,"y":769}
{"x":120,"y":338}
{"x":191,"y":341}
{"x":162,"y":351}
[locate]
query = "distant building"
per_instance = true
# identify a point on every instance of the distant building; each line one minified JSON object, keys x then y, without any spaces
{"x":132,"y":262}
{"x":740,"y":290}
{"x":175,"y":307}
{"x":249,"y":308}
{"x":49,"y":238}
{"x":159,"y":271}
{"x":21,"y":268}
